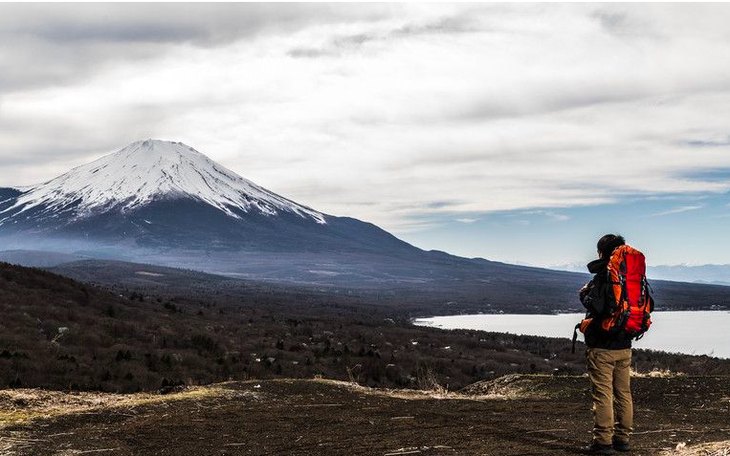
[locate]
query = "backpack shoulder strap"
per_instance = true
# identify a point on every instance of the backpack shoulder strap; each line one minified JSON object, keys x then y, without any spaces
{"x":575,"y":336}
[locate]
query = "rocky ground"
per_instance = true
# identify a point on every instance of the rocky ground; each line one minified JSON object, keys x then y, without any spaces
{"x":515,"y":415}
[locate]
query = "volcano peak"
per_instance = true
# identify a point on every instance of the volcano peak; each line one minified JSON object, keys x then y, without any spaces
{"x":152,"y":169}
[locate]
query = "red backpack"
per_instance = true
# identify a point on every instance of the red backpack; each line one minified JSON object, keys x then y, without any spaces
{"x":628,"y":299}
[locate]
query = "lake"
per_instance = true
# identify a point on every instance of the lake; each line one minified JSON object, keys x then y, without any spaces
{"x":689,"y":332}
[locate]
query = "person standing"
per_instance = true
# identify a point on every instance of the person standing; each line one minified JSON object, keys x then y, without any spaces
{"x":609,"y":341}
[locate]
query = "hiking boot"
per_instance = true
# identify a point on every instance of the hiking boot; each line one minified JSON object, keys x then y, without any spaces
{"x":621,"y":446}
{"x":597,"y":448}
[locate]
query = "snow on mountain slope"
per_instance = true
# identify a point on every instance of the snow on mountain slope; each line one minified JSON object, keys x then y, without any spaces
{"x":148,"y":170}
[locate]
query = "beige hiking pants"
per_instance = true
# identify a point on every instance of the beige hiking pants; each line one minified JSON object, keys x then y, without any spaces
{"x":608,"y":371}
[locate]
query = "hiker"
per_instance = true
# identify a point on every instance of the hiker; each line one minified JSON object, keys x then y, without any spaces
{"x":609,"y":327}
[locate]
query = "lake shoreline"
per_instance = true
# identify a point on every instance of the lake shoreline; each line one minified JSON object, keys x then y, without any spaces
{"x":672,"y":331}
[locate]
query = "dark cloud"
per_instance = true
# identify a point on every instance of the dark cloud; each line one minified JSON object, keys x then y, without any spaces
{"x":612,"y":21}
{"x":29,"y":63}
{"x":578,"y":95}
{"x":458,"y":23}
{"x":717,"y":174}
{"x":706,"y":143}
{"x":310,"y":52}
{"x":634,"y":22}
{"x":335,"y":47}
{"x":200,"y":23}
{"x":339,"y":45}
{"x":443,"y":204}
{"x":56,"y":44}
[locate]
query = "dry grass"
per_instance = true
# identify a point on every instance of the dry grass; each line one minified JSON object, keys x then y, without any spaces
{"x":20,"y":406}
{"x":513,"y":386}
{"x":514,"y":392}
{"x":656,"y":373}
{"x":706,"y":449}
{"x":396,"y":393}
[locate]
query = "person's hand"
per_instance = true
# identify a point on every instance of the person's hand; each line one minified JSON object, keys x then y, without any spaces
{"x":584,"y":289}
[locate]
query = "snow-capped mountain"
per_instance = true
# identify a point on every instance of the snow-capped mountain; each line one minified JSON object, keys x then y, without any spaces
{"x":142,"y":172}
{"x":166,"y":197}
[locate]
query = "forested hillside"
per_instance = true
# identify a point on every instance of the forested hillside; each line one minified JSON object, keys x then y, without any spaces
{"x":59,"y":333}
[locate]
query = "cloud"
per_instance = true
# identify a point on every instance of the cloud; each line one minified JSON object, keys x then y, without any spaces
{"x":677,"y":210}
{"x":405,"y":115}
{"x":54,"y":44}
{"x":467,"y":220}
{"x":707,"y":142}
{"x":201,"y":24}
{"x":555,"y":216}
{"x":336,"y":46}
{"x":551,"y":215}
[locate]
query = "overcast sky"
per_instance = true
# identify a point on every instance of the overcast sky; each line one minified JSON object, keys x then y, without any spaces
{"x":517,"y":132}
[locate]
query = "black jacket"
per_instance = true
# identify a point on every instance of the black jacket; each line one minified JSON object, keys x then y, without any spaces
{"x":596,"y":299}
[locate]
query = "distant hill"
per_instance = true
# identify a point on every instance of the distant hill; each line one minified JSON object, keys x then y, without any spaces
{"x":513,"y":290}
{"x":717,"y":274}
{"x":35,"y":258}
{"x":708,"y":273}
{"x":120,"y":273}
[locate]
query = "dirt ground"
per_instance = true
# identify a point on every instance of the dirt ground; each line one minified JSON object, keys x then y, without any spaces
{"x":517,"y":415}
